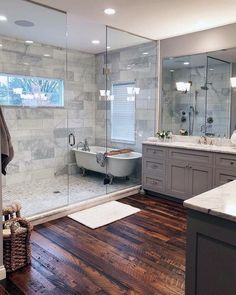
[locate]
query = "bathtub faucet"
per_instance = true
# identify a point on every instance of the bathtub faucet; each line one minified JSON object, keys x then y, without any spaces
{"x":85,"y":145}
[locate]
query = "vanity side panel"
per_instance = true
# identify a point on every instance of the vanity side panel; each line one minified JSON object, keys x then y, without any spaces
{"x":211,"y":251}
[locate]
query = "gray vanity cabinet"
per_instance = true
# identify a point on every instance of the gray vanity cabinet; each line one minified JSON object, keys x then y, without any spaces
{"x":177,"y":172}
{"x":189,"y":172}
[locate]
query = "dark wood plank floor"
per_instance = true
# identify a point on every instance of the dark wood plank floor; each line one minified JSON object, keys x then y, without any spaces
{"x":141,"y":254}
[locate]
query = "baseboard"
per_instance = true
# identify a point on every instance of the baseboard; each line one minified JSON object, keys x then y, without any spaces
{"x":64,"y":211}
{"x":2,"y":273}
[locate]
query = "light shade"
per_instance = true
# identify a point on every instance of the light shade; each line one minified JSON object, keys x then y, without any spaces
{"x":233,"y":81}
{"x":183,"y":86}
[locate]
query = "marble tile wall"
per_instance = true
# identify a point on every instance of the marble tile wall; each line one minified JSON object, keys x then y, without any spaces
{"x":129,"y":64}
{"x":40,"y":135}
{"x":218,"y":100}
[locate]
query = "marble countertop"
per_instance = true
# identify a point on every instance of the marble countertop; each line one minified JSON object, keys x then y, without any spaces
{"x":194,"y":146}
{"x":220,"y":202}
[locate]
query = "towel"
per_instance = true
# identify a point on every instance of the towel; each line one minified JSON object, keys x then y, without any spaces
{"x":7,"y":151}
{"x":101,"y":159}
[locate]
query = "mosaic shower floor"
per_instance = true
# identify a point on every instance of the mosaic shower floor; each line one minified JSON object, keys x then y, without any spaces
{"x":48,"y":194}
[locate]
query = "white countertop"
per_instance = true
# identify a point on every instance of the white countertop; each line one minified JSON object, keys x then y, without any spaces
{"x":220,"y":202}
{"x":194,"y":146}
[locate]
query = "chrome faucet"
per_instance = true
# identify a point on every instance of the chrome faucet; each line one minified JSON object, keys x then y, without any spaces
{"x":85,"y":145}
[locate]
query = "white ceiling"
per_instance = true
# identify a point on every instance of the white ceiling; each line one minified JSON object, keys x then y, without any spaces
{"x":155,"y":19}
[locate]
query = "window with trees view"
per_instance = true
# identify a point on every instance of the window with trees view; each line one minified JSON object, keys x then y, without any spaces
{"x":16,"y":90}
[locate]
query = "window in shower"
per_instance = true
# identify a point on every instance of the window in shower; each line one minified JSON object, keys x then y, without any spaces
{"x":123,"y":112}
{"x":16,"y":90}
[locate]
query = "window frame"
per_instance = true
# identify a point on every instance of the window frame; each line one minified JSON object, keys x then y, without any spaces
{"x":133,"y":83}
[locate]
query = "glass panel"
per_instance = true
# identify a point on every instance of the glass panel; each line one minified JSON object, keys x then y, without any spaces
{"x":33,"y":67}
{"x":218,"y":97}
{"x":183,"y":94}
{"x":131,"y":101}
{"x":87,"y":122}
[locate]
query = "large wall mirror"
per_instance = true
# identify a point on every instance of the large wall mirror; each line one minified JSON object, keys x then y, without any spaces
{"x":199,"y":94}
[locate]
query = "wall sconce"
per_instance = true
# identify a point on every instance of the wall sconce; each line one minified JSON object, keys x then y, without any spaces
{"x":233,"y":82}
{"x":183,"y":86}
{"x":133,"y":90}
{"x":106,"y":95}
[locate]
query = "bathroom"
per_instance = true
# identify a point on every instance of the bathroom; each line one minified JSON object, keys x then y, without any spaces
{"x":123,"y":125}
{"x":44,"y":175}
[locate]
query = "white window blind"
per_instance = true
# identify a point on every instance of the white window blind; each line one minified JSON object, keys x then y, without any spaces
{"x":123,"y":113}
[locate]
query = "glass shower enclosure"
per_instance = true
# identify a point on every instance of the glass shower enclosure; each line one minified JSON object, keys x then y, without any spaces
{"x":77,"y":119}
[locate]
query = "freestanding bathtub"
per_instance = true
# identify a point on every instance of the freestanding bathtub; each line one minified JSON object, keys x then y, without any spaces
{"x":121,"y":165}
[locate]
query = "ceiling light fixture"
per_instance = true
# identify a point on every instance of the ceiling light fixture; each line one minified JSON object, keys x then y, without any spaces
{"x":172,"y":71}
{"x":24,"y":23}
{"x":3,"y":18}
{"x":29,"y":42}
{"x":96,"y":42}
{"x":186,"y":63}
{"x":211,"y":69}
{"x":108,"y":47}
{"x":145,"y":53}
{"x":109,"y":11}
{"x":46,"y":55}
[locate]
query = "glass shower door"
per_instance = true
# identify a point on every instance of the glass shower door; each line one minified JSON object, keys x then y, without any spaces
{"x":32,"y":91}
{"x":131,"y":108}
{"x":217,"y":98}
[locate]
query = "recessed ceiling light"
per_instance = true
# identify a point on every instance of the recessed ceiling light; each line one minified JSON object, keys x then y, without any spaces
{"x":96,"y":42}
{"x":46,"y":55}
{"x":26,"y":63}
{"x":108,"y":47}
{"x":186,"y":63}
{"x":109,"y":11}
{"x":24,"y":23}
{"x":211,"y":69}
{"x":172,"y":71}
{"x":29,"y":42}
{"x":3,"y":18}
{"x":145,"y":53}
{"x":1,"y":45}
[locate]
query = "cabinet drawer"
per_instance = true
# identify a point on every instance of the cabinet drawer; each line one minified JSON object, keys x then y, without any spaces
{"x":151,"y":151}
{"x":226,"y":161}
{"x":223,"y":176}
{"x":154,"y":167}
{"x":191,"y":156}
{"x":155,"y":184}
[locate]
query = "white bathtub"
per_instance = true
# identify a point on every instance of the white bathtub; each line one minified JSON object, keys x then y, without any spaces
{"x":121,"y":165}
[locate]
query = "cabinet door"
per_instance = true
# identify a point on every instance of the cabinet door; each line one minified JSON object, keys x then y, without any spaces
{"x":223,"y":176}
{"x":200,"y":179}
{"x":177,"y":179}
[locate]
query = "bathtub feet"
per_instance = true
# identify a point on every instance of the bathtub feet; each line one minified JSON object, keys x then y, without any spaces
{"x":111,"y":177}
{"x":83,"y":171}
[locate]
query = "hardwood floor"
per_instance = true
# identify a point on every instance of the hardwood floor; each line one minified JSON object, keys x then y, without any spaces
{"x":141,"y":254}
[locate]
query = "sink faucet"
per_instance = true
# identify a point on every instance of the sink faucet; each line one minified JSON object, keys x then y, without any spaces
{"x":204,"y":140}
{"x":85,"y":145}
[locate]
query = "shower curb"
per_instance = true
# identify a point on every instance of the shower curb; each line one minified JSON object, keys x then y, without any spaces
{"x":66,"y":210}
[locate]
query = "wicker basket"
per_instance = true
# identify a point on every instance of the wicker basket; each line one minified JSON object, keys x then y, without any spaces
{"x":16,"y":240}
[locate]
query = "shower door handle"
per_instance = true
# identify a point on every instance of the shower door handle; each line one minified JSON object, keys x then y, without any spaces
{"x":71,"y":139}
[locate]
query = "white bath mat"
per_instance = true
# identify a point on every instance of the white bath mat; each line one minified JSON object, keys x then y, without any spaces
{"x":103,"y":214}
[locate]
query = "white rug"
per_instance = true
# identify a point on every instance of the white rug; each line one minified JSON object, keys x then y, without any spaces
{"x":103,"y":214}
